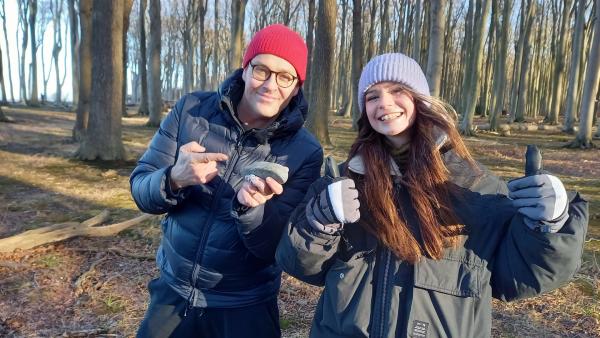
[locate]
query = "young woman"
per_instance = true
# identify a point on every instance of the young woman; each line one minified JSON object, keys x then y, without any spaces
{"x":417,"y":237}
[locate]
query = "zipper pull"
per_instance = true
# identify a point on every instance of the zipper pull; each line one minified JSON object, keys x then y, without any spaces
{"x":188,"y":303}
{"x":345,"y":240}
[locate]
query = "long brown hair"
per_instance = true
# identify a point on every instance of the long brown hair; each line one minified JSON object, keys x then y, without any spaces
{"x":425,"y":178}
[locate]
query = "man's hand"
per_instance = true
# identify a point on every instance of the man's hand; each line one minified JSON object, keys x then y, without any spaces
{"x":258,"y":191}
{"x":194,"y":166}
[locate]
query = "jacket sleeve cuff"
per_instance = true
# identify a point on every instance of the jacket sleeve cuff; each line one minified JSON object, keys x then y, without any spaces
{"x":167,"y":193}
{"x":247,"y":218}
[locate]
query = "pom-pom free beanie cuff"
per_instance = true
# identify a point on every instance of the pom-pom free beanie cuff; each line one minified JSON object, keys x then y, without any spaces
{"x":393,"y":67}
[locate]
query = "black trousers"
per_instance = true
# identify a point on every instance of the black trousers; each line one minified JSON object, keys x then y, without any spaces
{"x":167,"y":317}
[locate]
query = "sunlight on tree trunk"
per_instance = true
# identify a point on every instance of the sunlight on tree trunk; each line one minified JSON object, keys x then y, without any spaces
{"x":154,"y":86}
{"x":74,"y":35}
{"x":322,"y":79}
{"x":143,"y":108}
{"x":33,"y":100}
{"x":590,"y":89}
{"x":557,"y":89}
{"x":522,"y":92}
{"x":466,"y":127}
{"x":573,"y":86}
{"x":238,"y":12}
{"x":85,"y":70}
{"x":500,"y":67}
{"x":436,"y":48}
{"x":357,"y":62}
{"x":102,"y":139}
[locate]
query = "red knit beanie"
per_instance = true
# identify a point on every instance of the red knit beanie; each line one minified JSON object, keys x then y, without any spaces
{"x":280,"y":41}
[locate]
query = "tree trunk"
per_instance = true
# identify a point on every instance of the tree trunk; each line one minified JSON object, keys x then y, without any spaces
{"x":448,"y":30}
{"x":102,"y":139}
{"x":322,"y":78}
{"x":416,"y":53}
{"x":499,"y":78}
{"x":188,"y":31}
{"x":4,"y":99}
{"x":85,"y":70}
{"x":34,"y":100}
{"x":517,"y":64}
{"x":357,"y":53}
{"x":216,"y":61}
{"x":436,"y":46}
{"x":467,"y":58}
{"x":10,"y":81}
{"x":590,"y":89}
{"x":342,"y":76}
{"x":4,"y":118}
{"x":155,"y":95}
{"x":573,"y":87}
{"x":535,"y":104}
{"x":126,"y":13}
{"x":372,"y":25}
{"x":202,"y":8}
{"x":56,"y":21}
{"x":23,"y":14}
{"x":45,"y":75}
{"x":143,"y":108}
{"x":310,"y":46}
{"x":523,"y":81}
{"x":238,"y":13}
{"x":477,"y":56}
{"x":557,"y":89}
{"x":385,"y":27}
{"x":484,"y":97}
{"x":74,"y":34}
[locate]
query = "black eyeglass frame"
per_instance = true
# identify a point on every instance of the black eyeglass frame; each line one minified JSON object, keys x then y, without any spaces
{"x":294,"y":78}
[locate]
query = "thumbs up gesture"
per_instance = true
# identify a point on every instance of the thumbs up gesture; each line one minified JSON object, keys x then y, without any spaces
{"x":540,"y":197}
{"x":335,"y":205}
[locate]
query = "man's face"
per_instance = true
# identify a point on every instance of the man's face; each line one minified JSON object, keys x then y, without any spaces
{"x":263,"y":100}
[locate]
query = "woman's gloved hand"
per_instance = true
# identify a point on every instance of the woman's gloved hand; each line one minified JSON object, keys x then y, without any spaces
{"x":542,"y":199}
{"x":335,"y":205}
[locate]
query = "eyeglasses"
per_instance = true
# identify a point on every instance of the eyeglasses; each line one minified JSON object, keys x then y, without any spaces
{"x":263,"y":73}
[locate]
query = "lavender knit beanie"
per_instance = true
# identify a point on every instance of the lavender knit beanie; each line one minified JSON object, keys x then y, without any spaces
{"x":394,"y":67}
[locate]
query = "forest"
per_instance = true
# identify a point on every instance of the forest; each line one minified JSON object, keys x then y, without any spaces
{"x":86,"y":83}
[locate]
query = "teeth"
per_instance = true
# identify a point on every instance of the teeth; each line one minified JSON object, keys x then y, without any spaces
{"x":389,"y":116}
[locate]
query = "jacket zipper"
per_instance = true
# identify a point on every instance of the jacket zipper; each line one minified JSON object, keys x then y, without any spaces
{"x":207,"y":225}
{"x":384,"y":291}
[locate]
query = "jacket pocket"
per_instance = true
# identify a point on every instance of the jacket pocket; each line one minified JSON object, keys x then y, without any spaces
{"x":345,"y":304}
{"x":448,"y":275}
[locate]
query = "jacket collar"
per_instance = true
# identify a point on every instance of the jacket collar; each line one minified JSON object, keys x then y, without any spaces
{"x":288,"y":122}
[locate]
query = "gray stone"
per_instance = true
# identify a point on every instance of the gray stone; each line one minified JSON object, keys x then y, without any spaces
{"x":267,"y":169}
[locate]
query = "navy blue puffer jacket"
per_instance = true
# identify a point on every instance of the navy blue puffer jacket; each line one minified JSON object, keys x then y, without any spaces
{"x":214,"y":252}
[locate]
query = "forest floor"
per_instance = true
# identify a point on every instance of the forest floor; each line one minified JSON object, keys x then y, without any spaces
{"x":97,"y":286}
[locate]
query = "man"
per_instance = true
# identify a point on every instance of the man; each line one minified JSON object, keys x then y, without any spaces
{"x":216,"y":258}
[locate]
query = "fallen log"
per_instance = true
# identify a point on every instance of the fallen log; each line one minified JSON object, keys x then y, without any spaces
{"x":59,"y":232}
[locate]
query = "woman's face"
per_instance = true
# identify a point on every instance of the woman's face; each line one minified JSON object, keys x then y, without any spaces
{"x":391,"y":111}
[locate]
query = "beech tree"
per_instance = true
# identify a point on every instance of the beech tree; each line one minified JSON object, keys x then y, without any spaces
{"x":322,"y":77}
{"x":102,"y":139}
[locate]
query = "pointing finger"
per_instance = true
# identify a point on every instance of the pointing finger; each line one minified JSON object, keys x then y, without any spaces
{"x":192,"y":147}
{"x":208,"y":157}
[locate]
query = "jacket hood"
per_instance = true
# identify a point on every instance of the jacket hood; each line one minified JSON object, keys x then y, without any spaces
{"x":290,"y":119}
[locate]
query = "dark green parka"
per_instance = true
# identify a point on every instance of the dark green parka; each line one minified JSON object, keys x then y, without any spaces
{"x":371,"y":293}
